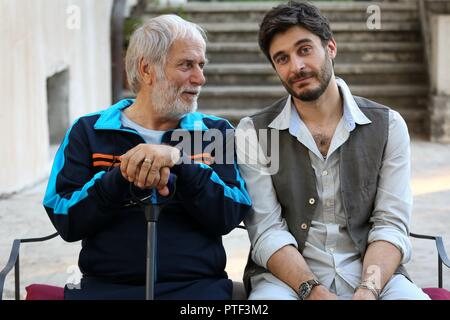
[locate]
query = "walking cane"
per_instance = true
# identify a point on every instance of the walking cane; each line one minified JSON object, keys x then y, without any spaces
{"x":152,"y":209}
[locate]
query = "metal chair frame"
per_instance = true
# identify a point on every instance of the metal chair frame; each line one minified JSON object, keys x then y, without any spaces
{"x":14,"y":259}
{"x":14,"y":262}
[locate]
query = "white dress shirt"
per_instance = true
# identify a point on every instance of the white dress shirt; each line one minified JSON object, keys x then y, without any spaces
{"x":329,"y":251}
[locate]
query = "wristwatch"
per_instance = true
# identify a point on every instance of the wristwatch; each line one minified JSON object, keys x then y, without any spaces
{"x":306,"y":287}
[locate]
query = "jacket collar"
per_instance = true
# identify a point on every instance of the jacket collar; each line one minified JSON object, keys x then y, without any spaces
{"x":110,"y":118}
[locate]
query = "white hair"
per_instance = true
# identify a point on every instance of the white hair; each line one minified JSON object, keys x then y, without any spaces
{"x":152,"y":42}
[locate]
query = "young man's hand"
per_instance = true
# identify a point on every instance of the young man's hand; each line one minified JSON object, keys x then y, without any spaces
{"x":321,"y":293}
{"x":148,"y":166}
{"x":363,"y":294}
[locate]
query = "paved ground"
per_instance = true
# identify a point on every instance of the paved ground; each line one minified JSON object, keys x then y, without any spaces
{"x":54,"y":262}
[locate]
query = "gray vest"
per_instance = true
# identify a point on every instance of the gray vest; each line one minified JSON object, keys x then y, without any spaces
{"x":295,"y":182}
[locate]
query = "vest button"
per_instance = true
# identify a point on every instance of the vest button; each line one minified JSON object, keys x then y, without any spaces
{"x":312,"y":201}
{"x":304,"y":226}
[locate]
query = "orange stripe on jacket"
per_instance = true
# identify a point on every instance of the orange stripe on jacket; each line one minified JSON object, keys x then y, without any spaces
{"x":201,"y":155}
{"x":205,"y":158}
{"x":105,"y":156}
{"x":105,"y":163}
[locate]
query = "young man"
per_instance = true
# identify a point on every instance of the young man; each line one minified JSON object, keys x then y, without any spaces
{"x":129,"y":148}
{"x":332,"y":221}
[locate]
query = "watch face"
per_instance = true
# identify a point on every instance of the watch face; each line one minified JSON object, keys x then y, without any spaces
{"x":304,"y":291}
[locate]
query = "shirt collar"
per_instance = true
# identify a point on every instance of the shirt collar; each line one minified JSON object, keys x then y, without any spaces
{"x":282,"y":121}
{"x":352,"y":113}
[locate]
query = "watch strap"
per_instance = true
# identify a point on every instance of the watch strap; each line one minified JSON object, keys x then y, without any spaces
{"x":306,"y":287}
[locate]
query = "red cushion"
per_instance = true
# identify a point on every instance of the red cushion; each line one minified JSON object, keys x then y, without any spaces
{"x":44,"y":292}
{"x":437,"y":293}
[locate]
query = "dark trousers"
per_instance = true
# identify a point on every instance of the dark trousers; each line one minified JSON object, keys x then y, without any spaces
{"x":204,"y":289}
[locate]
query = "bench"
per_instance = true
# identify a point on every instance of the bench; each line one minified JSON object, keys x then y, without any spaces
{"x":47,"y":292}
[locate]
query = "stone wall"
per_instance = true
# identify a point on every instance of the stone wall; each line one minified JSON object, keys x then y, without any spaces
{"x":435,"y":20}
{"x":41,"y":38}
{"x":440,"y":76}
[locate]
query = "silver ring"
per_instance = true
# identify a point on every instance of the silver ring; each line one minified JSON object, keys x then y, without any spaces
{"x":149,"y":161}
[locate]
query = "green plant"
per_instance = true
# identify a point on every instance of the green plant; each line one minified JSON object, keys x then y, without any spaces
{"x":130,"y":24}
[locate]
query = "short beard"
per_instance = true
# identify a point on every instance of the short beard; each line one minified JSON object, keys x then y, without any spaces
{"x":167,"y":101}
{"x":324,"y":77}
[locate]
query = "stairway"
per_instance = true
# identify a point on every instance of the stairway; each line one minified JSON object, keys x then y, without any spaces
{"x":384,"y":65}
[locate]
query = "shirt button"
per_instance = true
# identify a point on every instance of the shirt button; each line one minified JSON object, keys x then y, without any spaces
{"x":338,"y":270}
{"x":331,"y":250}
{"x":324,"y":173}
{"x":304,"y":226}
{"x":312,"y":201}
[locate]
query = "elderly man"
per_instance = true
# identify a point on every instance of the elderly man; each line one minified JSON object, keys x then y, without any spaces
{"x":331,"y":221}
{"x":133,"y":147}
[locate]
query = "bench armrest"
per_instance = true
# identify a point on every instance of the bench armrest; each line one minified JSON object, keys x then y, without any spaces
{"x":13,"y":262}
{"x":442,"y":254}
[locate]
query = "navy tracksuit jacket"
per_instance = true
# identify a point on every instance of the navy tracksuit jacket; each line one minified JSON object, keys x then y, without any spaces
{"x":88,"y":199}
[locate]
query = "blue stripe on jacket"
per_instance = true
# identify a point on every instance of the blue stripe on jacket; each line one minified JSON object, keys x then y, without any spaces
{"x":110,"y":120}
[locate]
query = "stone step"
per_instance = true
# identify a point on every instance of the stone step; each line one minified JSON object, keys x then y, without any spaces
{"x":239,"y":113}
{"x":254,"y":12}
{"x":385,"y":65}
{"x":395,"y":96}
{"x":271,"y":91}
{"x":342,"y":31}
{"x":364,"y":73}
{"x":336,"y":27}
{"x":411,"y":102}
{"x":355,"y":52}
{"x":224,"y":97}
{"x":415,"y":119}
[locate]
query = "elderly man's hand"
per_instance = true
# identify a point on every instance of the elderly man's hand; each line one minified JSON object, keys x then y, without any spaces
{"x":147,"y":166}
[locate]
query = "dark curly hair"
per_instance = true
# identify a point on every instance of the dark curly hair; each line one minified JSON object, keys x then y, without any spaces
{"x":284,"y":16}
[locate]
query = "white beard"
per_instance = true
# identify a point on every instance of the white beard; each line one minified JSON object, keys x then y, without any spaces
{"x":168,"y":102}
